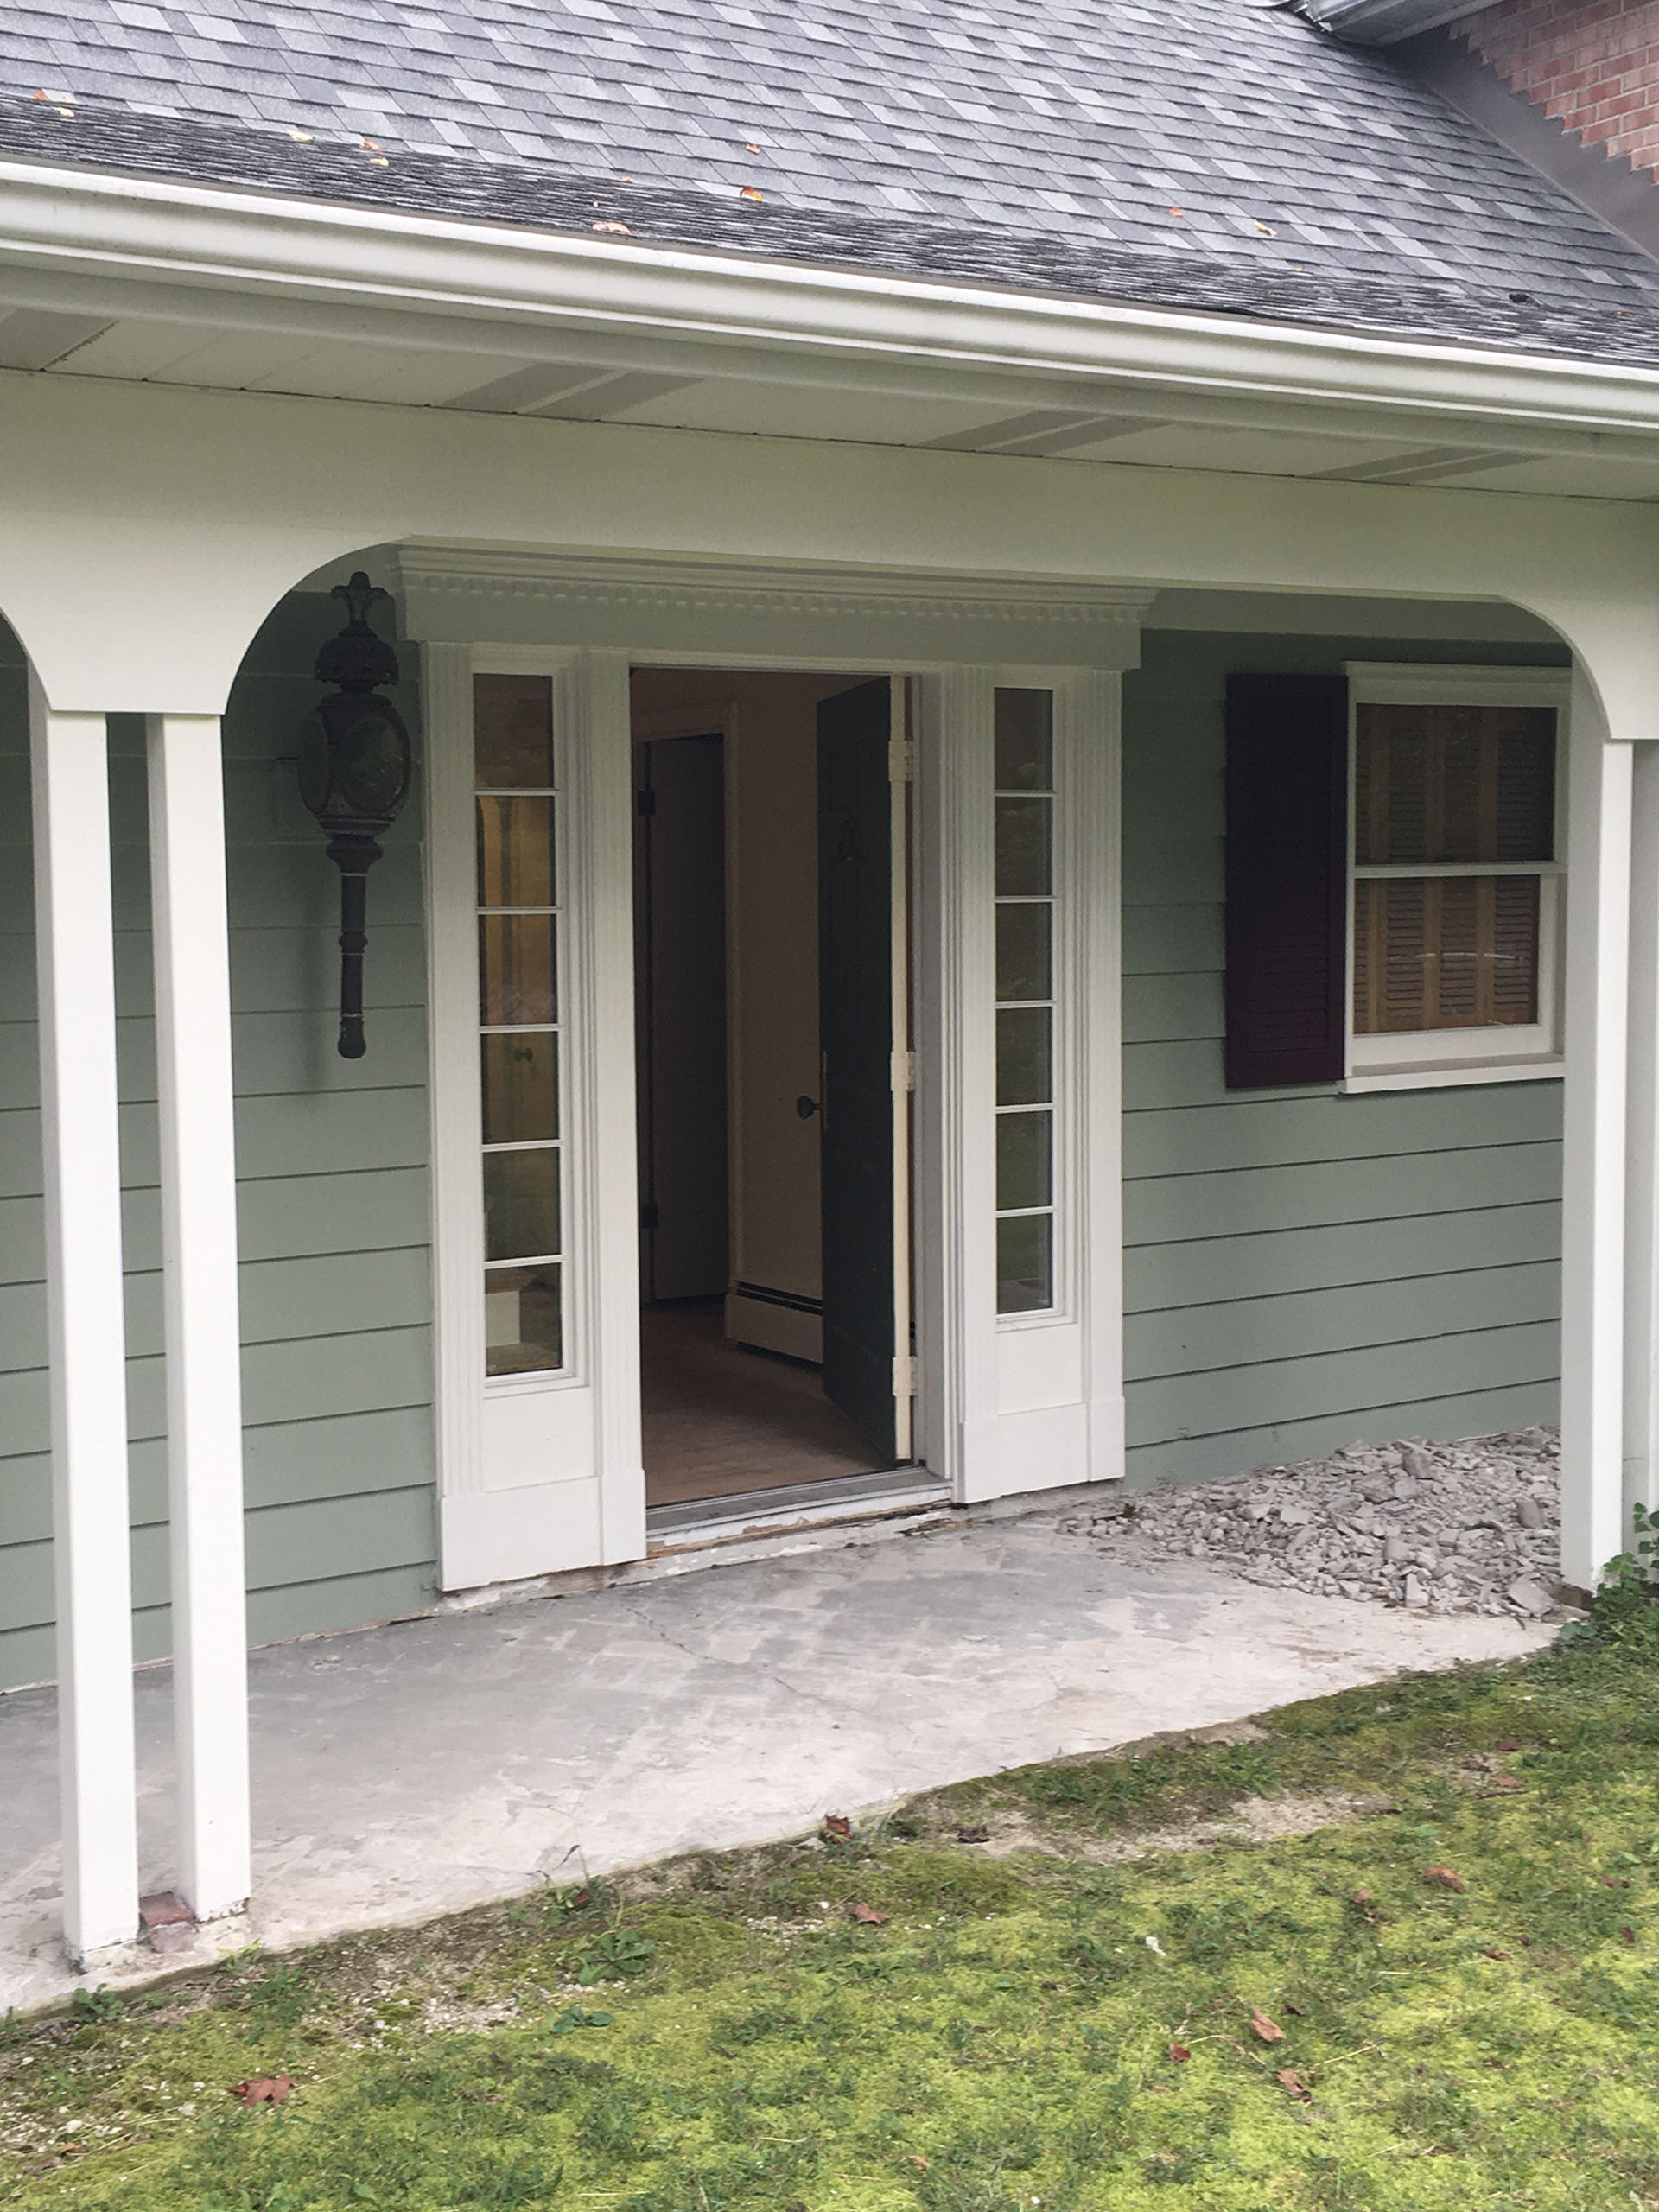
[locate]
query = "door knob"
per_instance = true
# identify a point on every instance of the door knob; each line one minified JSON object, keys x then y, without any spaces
{"x":806,"y":1107}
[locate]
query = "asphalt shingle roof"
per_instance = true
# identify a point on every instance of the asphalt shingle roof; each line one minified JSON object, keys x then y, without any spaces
{"x":1202,"y":152}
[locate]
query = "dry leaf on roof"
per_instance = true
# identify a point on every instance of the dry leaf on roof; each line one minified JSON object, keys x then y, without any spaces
{"x":621,"y":228}
{"x":748,"y":191}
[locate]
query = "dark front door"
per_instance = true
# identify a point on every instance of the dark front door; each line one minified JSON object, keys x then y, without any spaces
{"x":855,"y":1033}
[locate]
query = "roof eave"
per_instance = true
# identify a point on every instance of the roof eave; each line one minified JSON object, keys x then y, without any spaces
{"x":216,"y":256}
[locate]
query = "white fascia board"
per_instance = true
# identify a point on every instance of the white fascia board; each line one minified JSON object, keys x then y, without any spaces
{"x":137,"y":245}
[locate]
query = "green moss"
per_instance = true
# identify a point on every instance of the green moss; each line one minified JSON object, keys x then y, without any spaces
{"x":1004,"y":2040}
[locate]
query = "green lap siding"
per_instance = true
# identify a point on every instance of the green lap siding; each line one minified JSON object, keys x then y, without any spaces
{"x":332,"y":1212}
{"x":1302,"y":1268}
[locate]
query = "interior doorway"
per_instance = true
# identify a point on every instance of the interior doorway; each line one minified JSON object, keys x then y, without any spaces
{"x":771,"y":872}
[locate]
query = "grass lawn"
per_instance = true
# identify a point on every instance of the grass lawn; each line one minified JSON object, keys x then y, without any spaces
{"x":1143,"y":1991}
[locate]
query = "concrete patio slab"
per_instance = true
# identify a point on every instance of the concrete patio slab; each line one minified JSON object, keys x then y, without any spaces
{"x":411,"y":1770}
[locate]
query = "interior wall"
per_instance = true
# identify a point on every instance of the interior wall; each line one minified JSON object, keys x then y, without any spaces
{"x":332,"y":1183}
{"x":772,"y":974}
{"x":1303,"y":1268}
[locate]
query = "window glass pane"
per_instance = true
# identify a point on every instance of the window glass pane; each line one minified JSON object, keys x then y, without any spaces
{"x":1023,"y":863}
{"x":515,"y":852}
{"x":521,"y":1204}
{"x":1444,"y":952}
{"x":1025,"y":1262}
{"x":523,"y":1321}
{"x":1456,"y":784}
{"x":1024,"y":964}
{"x":1024,"y":1056}
{"x":1024,"y":740}
{"x":517,"y":967}
{"x":512,"y":733}
{"x":521,"y":1087}
{"x":1025,"y":1172}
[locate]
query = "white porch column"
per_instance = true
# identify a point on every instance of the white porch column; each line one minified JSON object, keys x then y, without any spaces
{"x":75,"y":953}
{"x":204,"y":1394}
{"x":1641,"y":1486}
{"x":1593,"y":1173}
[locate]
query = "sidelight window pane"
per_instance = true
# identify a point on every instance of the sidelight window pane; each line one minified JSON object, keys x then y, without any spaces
{"x":1024,"y":859}
{"x":524,"y":1320}
{"x":1025,"y":1262}
{"x":518,"y":969}
{"x":521,"y":1204}
{"x":1024,"y":1056}
{"x":521,"y":1087}
{"x":1024,"y":951}
{"x":1025,"y":1165}
{"x":1024,"y":740}
{"x":515,"y":852}
{"x":512,"y":733}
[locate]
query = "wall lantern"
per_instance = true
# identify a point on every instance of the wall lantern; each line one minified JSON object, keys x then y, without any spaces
{"x":354,"y":771}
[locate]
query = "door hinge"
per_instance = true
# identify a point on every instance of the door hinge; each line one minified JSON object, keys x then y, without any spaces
{"x":904,"y":1071}
{"x":901,"y":760}
{"x":904,"y":1377}
{"x":646,"y":801}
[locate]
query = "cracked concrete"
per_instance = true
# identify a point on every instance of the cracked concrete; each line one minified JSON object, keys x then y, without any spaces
{"x":412,"y":1770}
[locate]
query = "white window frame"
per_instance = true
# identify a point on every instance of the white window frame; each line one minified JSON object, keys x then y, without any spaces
{"x":1505,"y":1052}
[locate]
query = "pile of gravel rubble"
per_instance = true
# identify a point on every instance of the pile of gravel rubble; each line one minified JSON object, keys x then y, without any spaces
{"x":1467,"y":1527}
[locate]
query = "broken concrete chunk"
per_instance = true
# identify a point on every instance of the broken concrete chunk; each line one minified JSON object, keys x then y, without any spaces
{"x":1530,"y":1596}
{"x":1529,"y":1515}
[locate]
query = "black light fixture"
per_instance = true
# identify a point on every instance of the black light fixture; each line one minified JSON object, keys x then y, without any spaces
{"x":354,"y":769}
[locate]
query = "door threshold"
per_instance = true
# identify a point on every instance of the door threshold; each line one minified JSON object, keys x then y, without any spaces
{"x":704,"y":1521}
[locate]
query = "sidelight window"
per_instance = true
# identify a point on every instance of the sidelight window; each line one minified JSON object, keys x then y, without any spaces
{"x":1024,"y":999}
{"x":518,"y":948}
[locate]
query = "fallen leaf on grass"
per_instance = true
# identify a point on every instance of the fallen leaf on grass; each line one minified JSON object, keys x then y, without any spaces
{"x":915,"y":2158}
{"x":1495,"y":1955}
{"x":1445,"y":1877}
{"x":1504,"y":1781}
{"x":1179,"y":2053}
{"x":1300,"y":2011}
{"x":264,"y":2089}
{"x":1508,"y":1744}
{"x":1292,"y":2083}
{"x":837,"y":1824}
{"x":1629,"y":1933}
{"x":866,"y":1915}
{"x":1269,"y":2030}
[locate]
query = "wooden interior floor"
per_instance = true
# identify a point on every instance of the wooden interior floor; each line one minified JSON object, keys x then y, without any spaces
{"x":720,"y":1420}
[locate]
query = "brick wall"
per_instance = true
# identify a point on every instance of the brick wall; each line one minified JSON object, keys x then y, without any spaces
{"x":1593,"y":64}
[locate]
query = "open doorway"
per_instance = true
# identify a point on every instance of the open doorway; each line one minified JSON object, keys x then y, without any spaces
{"x":771,"y":1021}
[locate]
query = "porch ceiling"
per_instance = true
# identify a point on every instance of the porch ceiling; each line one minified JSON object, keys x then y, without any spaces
{"x":1010,"y":416}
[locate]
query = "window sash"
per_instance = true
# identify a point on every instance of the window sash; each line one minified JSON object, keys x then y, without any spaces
{"x":1469,"y":1051}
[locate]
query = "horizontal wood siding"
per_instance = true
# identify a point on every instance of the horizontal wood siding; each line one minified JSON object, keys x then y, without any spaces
{"x":332,"y":1212}
{"x":1302,"y":1268}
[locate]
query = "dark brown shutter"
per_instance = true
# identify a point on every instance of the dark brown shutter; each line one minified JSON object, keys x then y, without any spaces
{"x":1287,"y":878}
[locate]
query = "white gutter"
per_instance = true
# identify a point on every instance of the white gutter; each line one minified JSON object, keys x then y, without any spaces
{"x":1384,"y":22}
{"x":98,"y":244}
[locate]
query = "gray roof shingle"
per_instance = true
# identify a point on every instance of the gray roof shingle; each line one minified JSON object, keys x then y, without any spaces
{"x":1097,"y":145}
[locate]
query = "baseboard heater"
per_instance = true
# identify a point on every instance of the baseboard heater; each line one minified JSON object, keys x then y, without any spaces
{"x":775,"y":1320}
